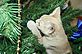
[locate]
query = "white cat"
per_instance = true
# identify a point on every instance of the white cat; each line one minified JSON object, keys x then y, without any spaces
{"x":54,"y":39}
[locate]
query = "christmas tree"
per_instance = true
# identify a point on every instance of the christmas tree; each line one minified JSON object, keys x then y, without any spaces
{"x":11,"y":25}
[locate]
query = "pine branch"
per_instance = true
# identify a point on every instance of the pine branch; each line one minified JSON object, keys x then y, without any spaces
{"x":9,"y":24}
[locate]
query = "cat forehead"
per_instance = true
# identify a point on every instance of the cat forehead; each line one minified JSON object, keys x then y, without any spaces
{"x":48,"y":18}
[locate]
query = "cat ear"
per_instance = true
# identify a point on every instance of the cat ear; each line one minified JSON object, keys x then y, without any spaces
{"x":56,"y":13}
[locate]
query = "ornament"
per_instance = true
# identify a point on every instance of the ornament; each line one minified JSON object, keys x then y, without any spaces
{"x":77,"y":34}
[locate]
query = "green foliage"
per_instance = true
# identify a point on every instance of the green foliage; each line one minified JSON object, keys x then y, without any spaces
{"x":30,"y":45}
{"x":39,"y":7}
{"x":9,"y":28}
{"x":9,"y":24}
{"x":77,"y":48}
{"x":7,"y":48}
{"x":78,"y":40}
{"x":3,"y":1}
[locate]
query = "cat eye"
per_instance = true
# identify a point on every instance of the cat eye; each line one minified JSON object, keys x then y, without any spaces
{"x":51,"y":28}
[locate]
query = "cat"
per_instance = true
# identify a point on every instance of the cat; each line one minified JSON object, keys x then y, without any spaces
{"x":54,"y":38}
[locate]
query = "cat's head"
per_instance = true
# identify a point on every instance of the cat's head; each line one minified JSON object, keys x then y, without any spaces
{"x":49,"y":24}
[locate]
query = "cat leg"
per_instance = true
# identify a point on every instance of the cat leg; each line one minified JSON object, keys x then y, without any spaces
{"x":32,"y":26}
